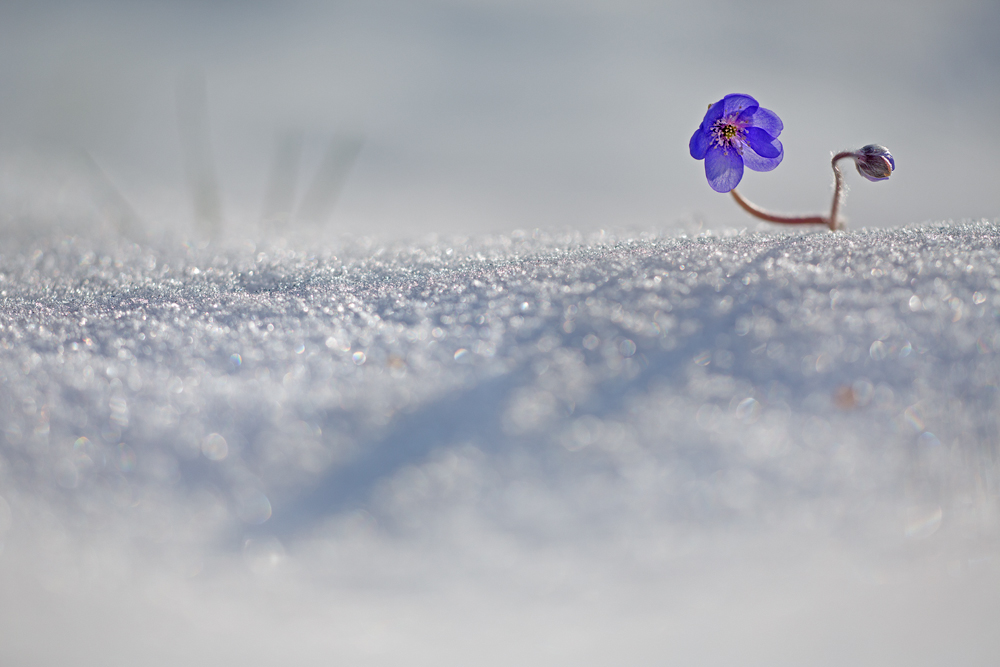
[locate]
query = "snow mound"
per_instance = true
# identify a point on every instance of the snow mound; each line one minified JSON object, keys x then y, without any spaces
{"x":607,"y":433}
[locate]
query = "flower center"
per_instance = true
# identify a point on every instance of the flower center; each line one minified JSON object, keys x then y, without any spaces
{"x":728,"y":133}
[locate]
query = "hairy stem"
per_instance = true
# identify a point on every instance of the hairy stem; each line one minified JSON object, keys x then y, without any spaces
{"x":832,"y":221}
{"x":838,"y":188}
{"x":757,"y":211}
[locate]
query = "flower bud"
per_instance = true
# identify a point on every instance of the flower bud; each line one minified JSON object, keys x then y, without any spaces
{"x":874,"y":162}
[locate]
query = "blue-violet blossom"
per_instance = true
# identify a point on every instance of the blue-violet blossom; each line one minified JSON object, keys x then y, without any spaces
{"x":736,"y":131}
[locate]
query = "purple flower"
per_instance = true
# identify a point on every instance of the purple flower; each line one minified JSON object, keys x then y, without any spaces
{"x":737,"y":131}
{"x":874,"y":162}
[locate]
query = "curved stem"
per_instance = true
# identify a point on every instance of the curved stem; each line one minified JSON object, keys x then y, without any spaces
{"x":757,"y":211}
{"x":832,"y":221}
{"x":838,"y":189}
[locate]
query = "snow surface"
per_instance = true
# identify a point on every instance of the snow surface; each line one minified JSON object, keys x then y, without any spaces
{"x":732,"y":448}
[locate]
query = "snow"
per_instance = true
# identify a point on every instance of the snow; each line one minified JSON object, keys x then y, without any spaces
{"x":734,"y":447}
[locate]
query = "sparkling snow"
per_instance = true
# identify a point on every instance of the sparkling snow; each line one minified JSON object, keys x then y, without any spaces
{"x":729,"y":448}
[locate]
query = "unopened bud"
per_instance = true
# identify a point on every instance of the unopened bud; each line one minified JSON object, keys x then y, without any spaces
{"x":874,"y":162}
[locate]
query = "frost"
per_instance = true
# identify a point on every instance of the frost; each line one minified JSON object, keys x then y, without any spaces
{"x":536,"y":421}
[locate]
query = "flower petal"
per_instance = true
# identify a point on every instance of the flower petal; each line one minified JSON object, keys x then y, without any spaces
{"x":758,"y":163}
{"x":875,"y":169}
{"x":762,"y":143}
{"x":714,"y":113}
{"x":768,"y":121}
{"x":699,"y":144}
{"x":739,"y":104}
{"x":723,"y":168}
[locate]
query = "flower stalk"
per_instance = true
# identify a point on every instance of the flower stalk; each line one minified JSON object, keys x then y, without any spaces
{"x":833,"y":221}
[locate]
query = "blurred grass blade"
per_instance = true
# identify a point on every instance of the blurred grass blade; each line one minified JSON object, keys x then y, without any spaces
{"x":110,"y":201}
{"x":283,"y":179}
{"x":196,"y":150}
{"x":320,"y":199}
